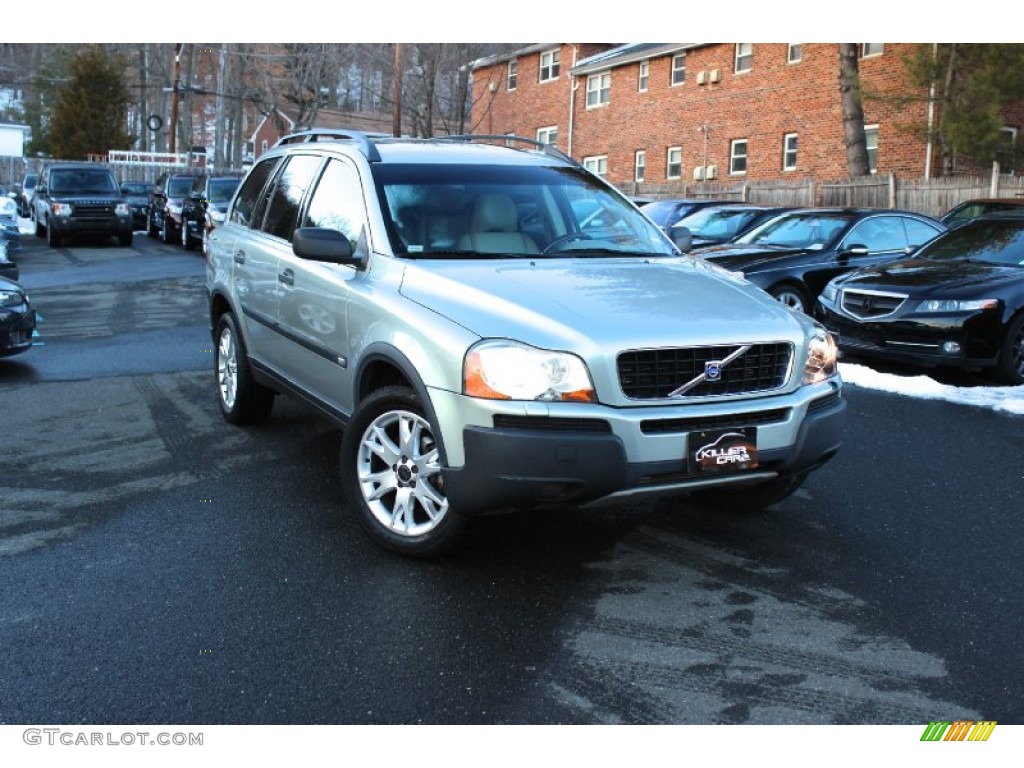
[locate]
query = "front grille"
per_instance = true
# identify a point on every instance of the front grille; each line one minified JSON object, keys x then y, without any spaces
{"x":551,"y":424}
{"x":656,"y":373}
{"x":703,"y":423}
{"x":871,"y":304}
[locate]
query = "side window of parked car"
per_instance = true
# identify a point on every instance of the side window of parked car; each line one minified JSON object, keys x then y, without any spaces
{"x":879,"y":233}
{"x":337,"y":203}
{"x":919,"y":232}
{"x":249,"y":196}
{"x":292,"y":183}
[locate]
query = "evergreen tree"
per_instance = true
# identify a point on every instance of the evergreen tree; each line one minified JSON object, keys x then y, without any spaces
{"x":90,"y":112}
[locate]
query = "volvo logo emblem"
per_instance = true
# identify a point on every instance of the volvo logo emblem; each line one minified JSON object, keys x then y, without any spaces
{"x":713,"y":370}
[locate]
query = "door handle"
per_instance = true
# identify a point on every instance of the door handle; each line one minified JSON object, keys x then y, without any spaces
{"x":239,"y":257}
{"x":287,"y":277}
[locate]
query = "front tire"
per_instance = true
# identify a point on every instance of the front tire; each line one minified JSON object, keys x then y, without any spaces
{"x":151,"y":229}
{"x":747,"y":499}
{"x":53,"y":238}
{"x":391,"y":473}
{"x":1011,"y":356}
{"x":241,"y":399}
{"x":186,"y":241}
{"x":165,"y":231}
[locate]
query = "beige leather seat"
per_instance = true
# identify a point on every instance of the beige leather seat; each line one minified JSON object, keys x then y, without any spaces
{"x":494,"y":228}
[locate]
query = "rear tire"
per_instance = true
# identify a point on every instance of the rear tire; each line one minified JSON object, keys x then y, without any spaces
{"x":241,"y":399}
{"x":793,"y":296}
{"x":126,"y":239}
{"x":391,"y":475}
{"x":751,"y":498}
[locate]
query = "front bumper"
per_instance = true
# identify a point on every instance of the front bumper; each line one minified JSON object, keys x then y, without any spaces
{"x":528,"y":461}
{"x":74,"y":225}
{"x":16,"y":329}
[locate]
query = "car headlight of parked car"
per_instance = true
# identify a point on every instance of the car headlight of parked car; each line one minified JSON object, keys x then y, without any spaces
{"x":956,"y":305}
{"x":8,"y":208}
{"x":61,"y":209}
{"x":821,"y":358}
{"x":831,"y":290}
{"x":507,"y":370}
{"x":12,"y":298}
{"x":123,"y":209}
{"x":174,"y":209}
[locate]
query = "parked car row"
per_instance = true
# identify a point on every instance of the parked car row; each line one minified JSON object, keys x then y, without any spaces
{"x":184,"y":207}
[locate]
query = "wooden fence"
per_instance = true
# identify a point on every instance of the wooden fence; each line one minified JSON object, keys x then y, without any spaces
{"x":929,"y":196}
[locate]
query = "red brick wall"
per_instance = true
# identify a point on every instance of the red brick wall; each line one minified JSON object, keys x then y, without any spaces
{"x":772,"y":99}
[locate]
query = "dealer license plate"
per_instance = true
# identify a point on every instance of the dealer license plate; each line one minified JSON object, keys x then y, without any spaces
{"x":723,"y":450}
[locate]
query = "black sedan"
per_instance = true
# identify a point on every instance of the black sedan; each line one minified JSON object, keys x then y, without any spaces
{"x":795,"y":254}
{"x":17,"y":319}
{"x":667,"y":213}
{"x":959,"y":302}
{"x":717,"y":224}
{"x":205,"y":207}
{"x":136,"y":194}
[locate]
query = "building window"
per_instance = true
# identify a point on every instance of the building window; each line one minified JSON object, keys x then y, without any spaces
{"x":513,"y":73}
{"x":674,"y":168}
{"x":549,"y":65}
{"x":597,"y":164}
{"x":1007,"y":154}
{"x":795,"y":54}
{"x":871,"y":49}
{"x":871,"y":140}
{"x":744,"y":57}
{"x":789,"y":152}
{"x":640,"y":166}
{"x":548,"y":135}
{"x":738,"y":156}
{"x":645,"y":76}
{"x":599,"y":90}
{"x":679,"y":69}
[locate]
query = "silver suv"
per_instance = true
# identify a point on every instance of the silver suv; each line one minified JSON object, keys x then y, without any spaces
{"x":495,"y":327}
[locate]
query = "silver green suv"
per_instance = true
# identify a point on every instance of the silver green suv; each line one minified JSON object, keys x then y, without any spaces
{"x":494,"y":327}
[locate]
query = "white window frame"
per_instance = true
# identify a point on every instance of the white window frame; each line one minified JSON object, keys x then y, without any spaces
{"x":548,"y":134}
{"x":512,"y":75}
{"x":550,"y":64}
{"x":867,"y":50}
{"x":599,"y":89}
{"x":597,"y":165}
{"x":788,"y":152}
{"x":744,"y":60}
{"x":871,"y":144}
{"x":735,"y":156}
{"x":644,"y":78}
{"x":678,"y":152}
{"x":639,"y":165}
{"x":678,"y":73}
{"x":794,"y":53}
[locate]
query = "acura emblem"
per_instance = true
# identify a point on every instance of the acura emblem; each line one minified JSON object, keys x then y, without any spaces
{"x":713,"y":370}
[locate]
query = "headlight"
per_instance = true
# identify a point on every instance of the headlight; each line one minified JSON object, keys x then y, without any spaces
{"x":218,"y":217}
{"x":123,"y":209}
{"x":831,"y":291}
{"x":8,"y":207}
{"x":61,"y":209}
{"x":506,"y":370}
{"x":11,"y":298}
{"x":955,"y":305}
{"x":821,"y":358}
{"x":173,"y":208}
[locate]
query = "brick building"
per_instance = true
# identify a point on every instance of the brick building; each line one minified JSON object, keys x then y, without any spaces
{"x":664,"y":113}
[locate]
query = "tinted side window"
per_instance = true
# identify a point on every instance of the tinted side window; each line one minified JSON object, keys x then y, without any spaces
{"x":918,"y":232}
{"x":292,"y":183}
{"x":249,"y":196}
{"x":337,"y":203}
{"x":879,"y":233}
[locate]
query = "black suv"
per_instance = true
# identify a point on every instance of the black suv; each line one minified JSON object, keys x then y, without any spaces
{"x":165,"y":204}
{"x":73,"y":199}
{"x":206,"y":206}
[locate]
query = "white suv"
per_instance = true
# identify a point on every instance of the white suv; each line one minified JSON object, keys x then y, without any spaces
{"x":495,"y":327}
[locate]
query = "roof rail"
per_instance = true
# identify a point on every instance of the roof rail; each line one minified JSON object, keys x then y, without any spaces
{"x":361,"y":138}
{"x":548,"y":149}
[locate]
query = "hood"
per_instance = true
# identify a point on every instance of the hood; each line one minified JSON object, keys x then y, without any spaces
{"x":918,"y":277}
{"x":597,"y":304}
{"x":749,"y":257}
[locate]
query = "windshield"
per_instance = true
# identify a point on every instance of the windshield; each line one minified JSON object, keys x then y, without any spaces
{"x":221,"y":190}
{"x":813,"y":231}
{"x":510,"y":210}
{"x":178,"y":187}
{"x":84,"y":181}
{"x":718,"y":224}
{"x":135,"y":188}
{"x":988,"y":242}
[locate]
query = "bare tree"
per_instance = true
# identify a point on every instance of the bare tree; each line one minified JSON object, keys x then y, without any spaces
{"x":853,"y":111}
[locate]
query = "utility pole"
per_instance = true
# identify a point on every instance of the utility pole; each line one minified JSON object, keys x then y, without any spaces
{"x":396,"y":92}
{"x":172,"y":142}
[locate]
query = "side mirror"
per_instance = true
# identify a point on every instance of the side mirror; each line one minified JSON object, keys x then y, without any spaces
{"x":322,"y":244}
{"x":853,"y":249}
{"x":682,"y":237}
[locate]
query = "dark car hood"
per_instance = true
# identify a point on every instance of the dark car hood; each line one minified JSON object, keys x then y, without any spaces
{"x":84,"y":197}
{"x":739,"y":258}
{"x":921,"y":276}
